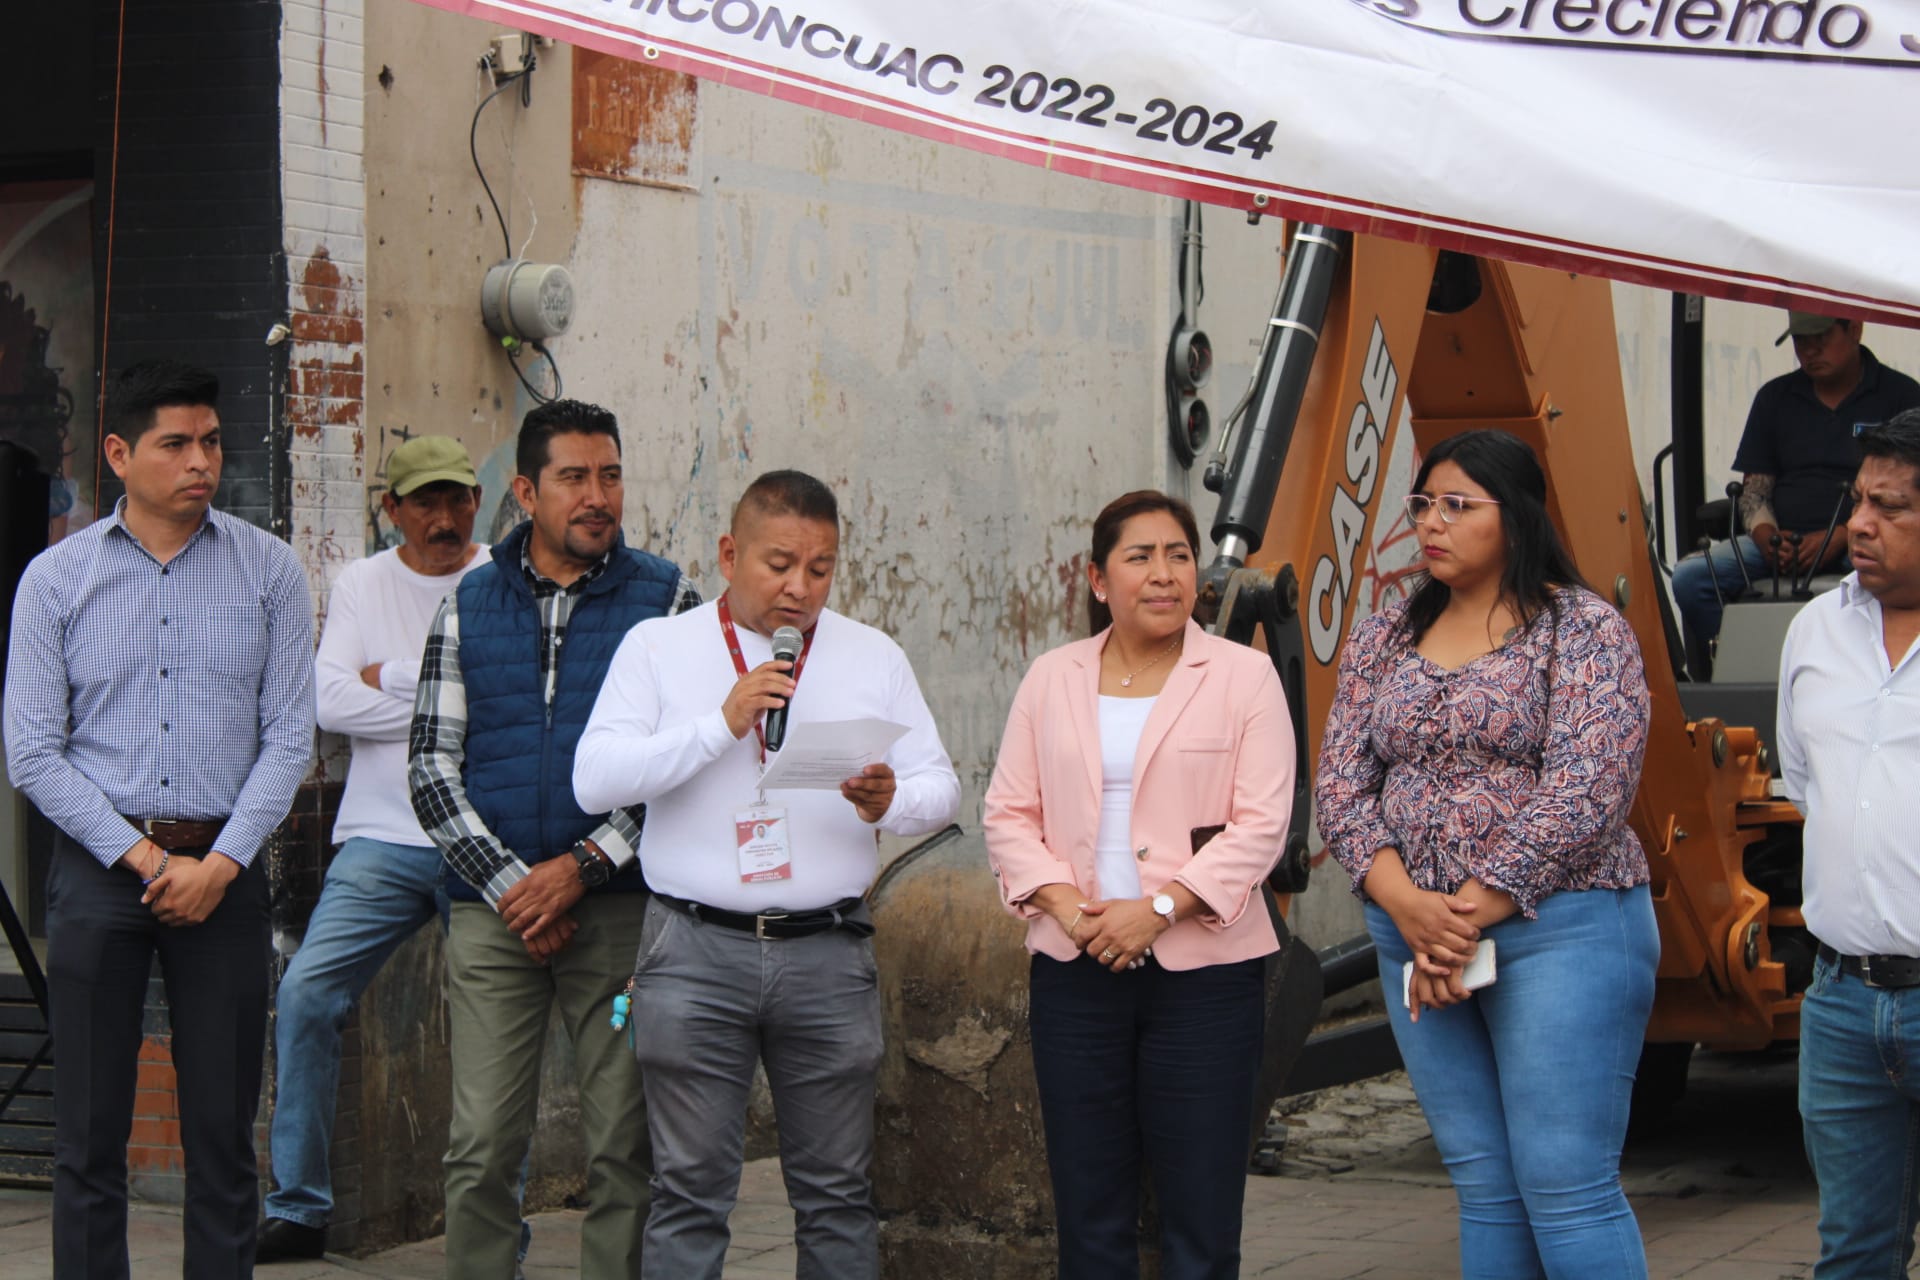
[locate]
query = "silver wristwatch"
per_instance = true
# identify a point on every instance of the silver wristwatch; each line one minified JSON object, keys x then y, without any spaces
{"x":1163,"y":907}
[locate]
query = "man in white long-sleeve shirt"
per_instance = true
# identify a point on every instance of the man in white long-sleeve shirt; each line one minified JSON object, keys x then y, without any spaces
{"x":757,"y":944}
{"x":382,"y":884}
{"x":1849,"y":731}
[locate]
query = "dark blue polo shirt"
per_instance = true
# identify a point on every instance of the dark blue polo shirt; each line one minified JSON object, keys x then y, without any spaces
{"x":1809,"y":449}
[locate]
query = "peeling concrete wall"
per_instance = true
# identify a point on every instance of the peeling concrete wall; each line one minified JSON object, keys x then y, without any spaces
{"x":968,"y":350}
{"x":432,"y":369}
{"x":967,"y":353}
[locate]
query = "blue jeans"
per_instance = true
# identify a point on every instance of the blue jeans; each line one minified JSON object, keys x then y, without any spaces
{"x":1694,"y":578}
{"x":1527,"y":1084}
{"x":376,"y":894}
{"x":1154,"y":1065}
{"x":1860,"y":1115}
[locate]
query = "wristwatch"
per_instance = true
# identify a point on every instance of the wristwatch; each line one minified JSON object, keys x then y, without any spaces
{"x":1163,"y":907}
{"x":595,"y":867}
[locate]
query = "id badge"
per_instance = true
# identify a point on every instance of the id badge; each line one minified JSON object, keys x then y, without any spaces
{"x":763,"y":839}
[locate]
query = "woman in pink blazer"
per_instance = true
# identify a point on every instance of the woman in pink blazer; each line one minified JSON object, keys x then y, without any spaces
{"x":1140,"y":799}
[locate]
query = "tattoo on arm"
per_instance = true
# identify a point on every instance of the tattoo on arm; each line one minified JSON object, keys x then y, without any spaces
{"x":1756,"y":501}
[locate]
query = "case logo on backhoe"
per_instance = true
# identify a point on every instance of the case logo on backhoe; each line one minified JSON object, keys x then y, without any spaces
{"x":1332,"y":584}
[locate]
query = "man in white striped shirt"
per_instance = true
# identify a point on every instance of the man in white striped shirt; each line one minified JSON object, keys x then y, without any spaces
{"x":1849,"y":730}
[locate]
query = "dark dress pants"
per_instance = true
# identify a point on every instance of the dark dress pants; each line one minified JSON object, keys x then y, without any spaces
{"x":101,"y":944}
{"x":1149,"y":1064}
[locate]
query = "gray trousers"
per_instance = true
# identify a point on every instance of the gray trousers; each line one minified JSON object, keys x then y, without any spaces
{"x":709,"y":1002}
{"x":500,"y":1000}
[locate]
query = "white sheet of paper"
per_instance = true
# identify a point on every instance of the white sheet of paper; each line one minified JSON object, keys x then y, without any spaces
{"x":821,"y":754}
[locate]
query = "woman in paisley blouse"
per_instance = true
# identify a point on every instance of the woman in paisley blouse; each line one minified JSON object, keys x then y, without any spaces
{"x":1482,"y":753}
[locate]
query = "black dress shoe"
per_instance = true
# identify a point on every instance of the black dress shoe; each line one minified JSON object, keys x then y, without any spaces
{"x":282,"y":1240}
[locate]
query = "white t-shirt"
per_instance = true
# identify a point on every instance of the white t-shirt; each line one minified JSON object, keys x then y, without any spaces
{"x":1122,"y":721}
{"x":658,"y":736}
{"x":378,"y":611}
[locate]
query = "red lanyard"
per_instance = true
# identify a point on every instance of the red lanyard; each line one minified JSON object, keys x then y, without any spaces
{"x":740,"y":662}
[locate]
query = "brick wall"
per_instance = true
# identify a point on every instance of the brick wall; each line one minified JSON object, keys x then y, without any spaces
{"x":326,"y":246}
{"x":324,"y":236}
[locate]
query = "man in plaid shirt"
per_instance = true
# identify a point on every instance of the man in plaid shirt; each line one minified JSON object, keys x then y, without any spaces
{"x":547,"y":899}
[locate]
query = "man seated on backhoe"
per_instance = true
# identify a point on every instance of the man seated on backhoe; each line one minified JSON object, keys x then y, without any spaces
{"x":1797,"y":457}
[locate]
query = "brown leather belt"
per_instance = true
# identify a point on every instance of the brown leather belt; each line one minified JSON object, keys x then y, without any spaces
{"x":180,"y":833}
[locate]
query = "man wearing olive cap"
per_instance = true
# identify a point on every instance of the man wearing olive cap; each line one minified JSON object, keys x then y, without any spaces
{"x":383,"y":883}
{"x":1797,"y":456}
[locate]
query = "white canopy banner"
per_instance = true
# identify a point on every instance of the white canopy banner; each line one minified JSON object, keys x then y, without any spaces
{"x":1759,"y":149}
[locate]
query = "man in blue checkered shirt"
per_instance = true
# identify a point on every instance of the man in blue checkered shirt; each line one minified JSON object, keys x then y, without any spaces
{"x":159,"y":710}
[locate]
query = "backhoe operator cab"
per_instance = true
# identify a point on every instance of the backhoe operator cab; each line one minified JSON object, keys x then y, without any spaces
{"x":1736,"y":680}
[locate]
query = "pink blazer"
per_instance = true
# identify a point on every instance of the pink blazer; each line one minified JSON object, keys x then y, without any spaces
{"x":1217,"y":748}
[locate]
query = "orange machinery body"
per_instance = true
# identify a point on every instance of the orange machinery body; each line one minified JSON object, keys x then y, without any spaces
{"x":1535,"y":355}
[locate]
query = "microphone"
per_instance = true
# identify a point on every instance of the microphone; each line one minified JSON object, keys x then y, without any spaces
{"x":787,"y":644}
{"x":1773,"y":545}
{"x":1804,"y":590}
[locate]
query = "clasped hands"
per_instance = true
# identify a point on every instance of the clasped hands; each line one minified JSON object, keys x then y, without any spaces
{"x":536,"y":909}
{"x":1117,"y":933}
{"x":1443,"y":932}
{"x":189,"y":890}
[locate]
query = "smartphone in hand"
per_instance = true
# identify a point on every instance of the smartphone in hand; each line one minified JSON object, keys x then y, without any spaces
{"x":1478,"y":973}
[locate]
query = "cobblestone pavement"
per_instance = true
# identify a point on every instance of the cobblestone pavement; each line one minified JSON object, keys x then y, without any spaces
{"x":1720,"y":1186}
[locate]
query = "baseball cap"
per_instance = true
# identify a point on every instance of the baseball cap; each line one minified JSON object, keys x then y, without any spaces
{"x":1805,"y":324}
{"x":426,"y":459}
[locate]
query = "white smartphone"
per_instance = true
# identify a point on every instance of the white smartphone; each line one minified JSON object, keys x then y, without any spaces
{"x":1478,"y":973}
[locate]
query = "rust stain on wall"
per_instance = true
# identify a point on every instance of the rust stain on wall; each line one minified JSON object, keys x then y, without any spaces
{"x":321,"y":76}
{"x":631,"y":122}
{"x":327,"y":382}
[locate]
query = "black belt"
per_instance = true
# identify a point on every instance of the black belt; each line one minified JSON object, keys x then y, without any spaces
{"x":777,"y":925}
{"x":1876,"y":971}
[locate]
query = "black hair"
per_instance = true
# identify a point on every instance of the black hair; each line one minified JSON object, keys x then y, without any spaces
{"x":1897,"y":438}
{"x":789,"y":493}
{"x":141,"y":390}
{"x":1537,"y":560}
{"x":558,"y":418}
{"x":1106,"y":535}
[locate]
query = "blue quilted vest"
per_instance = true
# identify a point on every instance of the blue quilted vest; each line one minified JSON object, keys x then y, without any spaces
{"x":519,"y":765}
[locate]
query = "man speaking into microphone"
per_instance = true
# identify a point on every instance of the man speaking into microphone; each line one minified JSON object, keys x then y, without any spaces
{"x":756,"y":944}
{"x":788,"y":645}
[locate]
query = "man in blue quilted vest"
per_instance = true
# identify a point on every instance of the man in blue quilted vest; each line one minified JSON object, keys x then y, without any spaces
{"x":547,"y":899}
